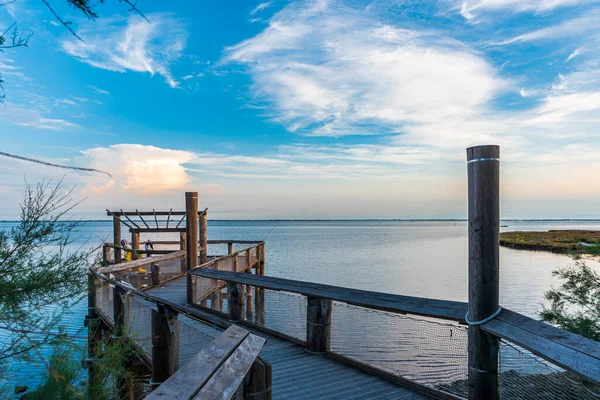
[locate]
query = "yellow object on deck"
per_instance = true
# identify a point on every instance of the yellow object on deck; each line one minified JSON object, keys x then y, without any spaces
{"x":141,"y":270}
{"x":127,"y":256}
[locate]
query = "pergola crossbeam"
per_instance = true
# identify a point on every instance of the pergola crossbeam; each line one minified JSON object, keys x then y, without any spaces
{"x":130,"y":220}
{"x":142,"y":218}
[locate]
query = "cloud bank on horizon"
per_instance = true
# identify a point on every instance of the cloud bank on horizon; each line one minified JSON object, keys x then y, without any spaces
{"x":353,"y":108}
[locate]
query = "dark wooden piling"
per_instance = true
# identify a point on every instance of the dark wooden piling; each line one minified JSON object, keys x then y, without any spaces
{"x":106,"y":255}
{"x":203,"y":236}
{"x":119,"y":310}
{"x":191,"y":215}
{"x":165,"y":344}
{"x":135,"y":245}
{"x":155,"y":272}
{"x":182,"y":246}
{"x":235,"y":301}
{"x":117,"y":237}
{"x":230,"y":248}
{"x":318,"y":324}
{"x":94,"y":338}
{"x":484,"y":229}
{"x":257,"y":386}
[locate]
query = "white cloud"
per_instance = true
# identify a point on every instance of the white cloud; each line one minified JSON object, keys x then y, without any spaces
{"x":338,"y":72}
{"x":33,"y":118}
{"x":98,"y":90}
{"x":260,"y":7}
{"x":469,"y":8}
{"x":134,"y":44}
{"x":569,"y":28}
{"x":138,"y":169}
{"x":574,"y":54}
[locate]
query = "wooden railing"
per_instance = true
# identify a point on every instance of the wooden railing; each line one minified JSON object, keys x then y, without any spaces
{"x":243,"y":260}
{"x":572,"y":352}
{"x":255,"y":377}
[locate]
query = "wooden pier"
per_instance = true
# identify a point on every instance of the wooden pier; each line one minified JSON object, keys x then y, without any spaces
{"x":216,"y":327}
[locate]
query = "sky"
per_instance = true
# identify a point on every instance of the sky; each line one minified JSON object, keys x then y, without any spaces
{"x":306,"y":109}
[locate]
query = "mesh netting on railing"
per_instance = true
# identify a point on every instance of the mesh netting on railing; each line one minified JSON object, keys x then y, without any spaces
{"x":525,"y":376}
{"x":193,"y":337}
{"x":427,"y":351}
{"x":139,"y":324}
{"x":104,"y":298}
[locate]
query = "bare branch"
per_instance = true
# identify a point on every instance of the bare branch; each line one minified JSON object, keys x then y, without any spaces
{"x":63,"y":22}
{"x":135,"y":9}
{"x":52,"y":164}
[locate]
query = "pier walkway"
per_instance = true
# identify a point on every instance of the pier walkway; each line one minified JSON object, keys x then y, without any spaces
{"x":322,"y":341}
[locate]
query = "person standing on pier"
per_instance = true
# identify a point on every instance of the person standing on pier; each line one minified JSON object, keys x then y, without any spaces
{"x":149,"y":246}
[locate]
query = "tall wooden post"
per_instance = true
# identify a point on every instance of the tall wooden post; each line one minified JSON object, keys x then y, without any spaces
{"x":135,"y":245}
{"x":117,"y":237}
{"x":119,"y":310}
{"x":318,"y":324}
{"x":230,"y":248}
{"x":483,"y":165}
{"x":105,"y":255}
{"x":165,"y":343}
{"x":191,"y":231}
{"x":235,"y":301}
{"x":155,"y":274}
{"x":203,"y":237}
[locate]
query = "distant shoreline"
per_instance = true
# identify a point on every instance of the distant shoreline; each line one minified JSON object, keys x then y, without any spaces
{"x":555,"y":241}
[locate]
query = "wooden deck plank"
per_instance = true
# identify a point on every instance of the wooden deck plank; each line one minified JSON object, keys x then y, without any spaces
{"x":186,"y":381}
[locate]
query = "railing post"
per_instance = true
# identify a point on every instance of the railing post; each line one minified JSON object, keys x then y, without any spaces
{"x":120,"y":309}
{"x":257,"y":385}
{"x":229,"y":248}
{"x":94,"y":337}
{"x":155,"y":272}
{"x":135,"y":245}
{"x":318,"y":324}
{"x":191,"y":230}
{"x":117,"y":237}
{"x":203,"y":236}
{"x":235,"y":301}
{"x":105,"y":255}
{"x":182,"y":246}
{"x":165,"y":343}
{"x":484,"y":227}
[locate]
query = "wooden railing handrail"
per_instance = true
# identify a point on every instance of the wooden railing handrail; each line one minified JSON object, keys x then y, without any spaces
{"x":141,"y":262}
{"x":444,"y":309}
{"x":227,"y":256}
{"x":568,"y":350}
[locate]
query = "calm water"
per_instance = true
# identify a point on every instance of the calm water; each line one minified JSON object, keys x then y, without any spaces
{"x":427,"y":259}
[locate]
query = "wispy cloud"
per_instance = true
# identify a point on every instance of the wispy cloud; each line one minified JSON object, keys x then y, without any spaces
{"x":34,"y":118}
{"x":260,"y":7}
{"x":332,"y":71}
{"x":471,"y":8}
{"x":133,"y":44}
{"x":98,"y":90}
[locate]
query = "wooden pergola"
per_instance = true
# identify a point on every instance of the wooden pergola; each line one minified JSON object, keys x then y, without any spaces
{"x":194,"y":229}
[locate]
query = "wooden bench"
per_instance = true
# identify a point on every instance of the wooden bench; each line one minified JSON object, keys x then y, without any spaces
{"x":218,"y":371}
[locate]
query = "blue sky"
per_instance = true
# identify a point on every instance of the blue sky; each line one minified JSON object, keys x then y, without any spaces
{"x":308,"y":109}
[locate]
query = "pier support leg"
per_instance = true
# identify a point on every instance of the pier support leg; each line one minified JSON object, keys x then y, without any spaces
{"x":191,"y":231}
{"x":155,"y":272}
{"x":94,"y":339}
{"x":203,"y":236}
{"x":257,"y":385}
{"x":484,"y":230}
{"x":165,"y":344}
{"x":182,"y":246}
{"x":318,"y":324}
{"x":235,"y":300}
{"x":135,"y":245}
{"x":117,"y":237}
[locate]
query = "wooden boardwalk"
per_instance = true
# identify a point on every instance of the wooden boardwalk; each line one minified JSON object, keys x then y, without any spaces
{"x":296,"y":374}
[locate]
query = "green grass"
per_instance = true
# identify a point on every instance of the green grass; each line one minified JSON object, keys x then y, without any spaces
{"x":556,"y":241}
